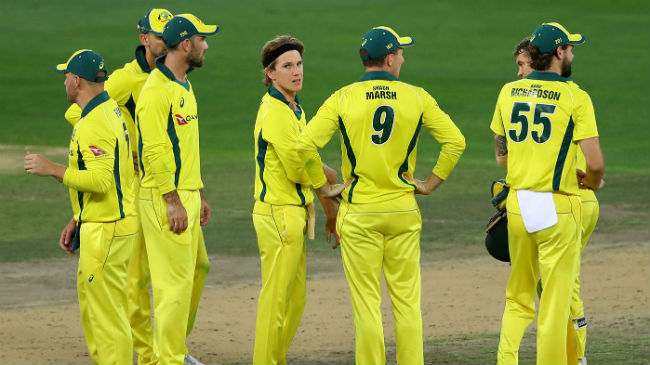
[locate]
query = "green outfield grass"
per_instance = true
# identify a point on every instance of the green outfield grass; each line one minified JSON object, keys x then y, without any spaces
{"x":462,"y":56}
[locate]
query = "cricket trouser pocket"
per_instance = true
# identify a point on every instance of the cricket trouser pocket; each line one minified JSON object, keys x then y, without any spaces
{"x":153,"y":208}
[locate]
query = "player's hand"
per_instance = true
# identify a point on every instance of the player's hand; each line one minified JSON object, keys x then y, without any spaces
{"x":205,"y":211}
{"x":581,"y":175}
{"x":330,"y":174}
{"x":66,"y":241}
{"x":330,"y":191}
{"x":427,"y":186}
{"x":176,"y":212}
{"x":37,"y":165}
{"x":330,"y":230}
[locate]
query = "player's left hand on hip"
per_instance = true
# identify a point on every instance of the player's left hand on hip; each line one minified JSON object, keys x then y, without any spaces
{"x":329,"y":191}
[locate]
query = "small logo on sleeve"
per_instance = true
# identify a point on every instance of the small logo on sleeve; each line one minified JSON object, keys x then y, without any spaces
{"x":96,"y":151}
{"x":180,"y":120}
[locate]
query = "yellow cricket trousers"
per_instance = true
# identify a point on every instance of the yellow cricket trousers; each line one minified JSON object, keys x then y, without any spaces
{"x":139,"y":307}
{"x":552,"y":253}
{"x":280,"y":233}
{"x":101,"y":286}
{"x":172,"y":262}
{"x":386,"y":236}
{"x":577,"y":321}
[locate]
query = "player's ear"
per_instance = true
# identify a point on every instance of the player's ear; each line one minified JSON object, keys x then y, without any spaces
{"x":143,"y":39}
{"x":269,"y":73}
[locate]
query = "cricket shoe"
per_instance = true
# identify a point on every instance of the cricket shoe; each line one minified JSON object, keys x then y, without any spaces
{"x":190,"y":360}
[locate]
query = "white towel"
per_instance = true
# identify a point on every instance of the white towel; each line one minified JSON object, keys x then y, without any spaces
{"x":537,"y":209}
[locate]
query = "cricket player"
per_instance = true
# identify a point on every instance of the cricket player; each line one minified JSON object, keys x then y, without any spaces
{"x":577,"y":330}
{"x":124,"y":87}
{"x":379,"y":118}
{"x":100,"y":177}
{"x":171,"y":201}
{"x":284,"y":211}
{"x":540,"y":121}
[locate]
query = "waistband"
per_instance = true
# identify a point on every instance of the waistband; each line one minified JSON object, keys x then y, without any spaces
{"x":404,"y":203}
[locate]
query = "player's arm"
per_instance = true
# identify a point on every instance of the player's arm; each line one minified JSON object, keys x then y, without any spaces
{"x":99,"y":159}
{"x":443,"y":129}
{"x":501,"y":149}
{"x":586,"y":135}
{"x":152,"y":113}
{"x":595,"y":163}
{"x":206,"y":212}
{"x":500,"y":141}
{"x":281,"y":132}
{"x":318,"y":132}
{"x":329,"y":207}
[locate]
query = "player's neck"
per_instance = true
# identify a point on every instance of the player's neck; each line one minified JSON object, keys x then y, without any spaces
{"x":84,"y":97}
{"x":151,"y":60}
{"x":556,"y":66}
{"x":289,"y":95}
{"x":177,"y":64}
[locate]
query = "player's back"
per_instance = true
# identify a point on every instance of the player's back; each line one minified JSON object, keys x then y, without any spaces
{"x":541,"y":116}
{"x":379,"y":122}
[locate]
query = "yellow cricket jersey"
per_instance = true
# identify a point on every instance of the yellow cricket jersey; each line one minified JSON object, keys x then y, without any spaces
{"x":100,"y":170}
{"x":542,"y":117}
{"x":280,"y":176}
{"x":167,"y":124}
{"x":123,"y":86}
{"x":379,"y":119}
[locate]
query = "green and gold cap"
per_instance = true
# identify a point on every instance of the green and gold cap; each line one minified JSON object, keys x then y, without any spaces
{"x":154,"y":21}
{"x":185,"y":26}
{"x":550,"y":36}
{"x":380,"y":41}
{"x":86,"y":64}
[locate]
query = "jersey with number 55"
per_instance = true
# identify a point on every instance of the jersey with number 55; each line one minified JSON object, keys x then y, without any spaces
{"x":542,"y":117}
{"x":379,"y":119}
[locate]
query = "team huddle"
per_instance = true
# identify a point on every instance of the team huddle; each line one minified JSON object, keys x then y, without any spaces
{"x":138,"y":204}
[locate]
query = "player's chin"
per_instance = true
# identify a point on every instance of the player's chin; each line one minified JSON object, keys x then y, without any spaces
{"x":297,"y":85}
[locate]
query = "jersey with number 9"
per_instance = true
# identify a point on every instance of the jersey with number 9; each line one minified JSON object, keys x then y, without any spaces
{"x":379,"y":119}
{"x":542,"y":120}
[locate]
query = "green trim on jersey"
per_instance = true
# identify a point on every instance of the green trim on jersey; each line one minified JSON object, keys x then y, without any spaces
{"x":81,"y":164}
{"x":353,"y":160}
{"x":141,"y":58}
{"x":173,"y":138}
{"x":116,"y":173}
{"x":378,"y":75}
{"x":405,"y":166}
{"x":561,"y":157}
{"x":546,"y":76}
{"x":94,"y":102}
{"x":262,"y":145}
{"x":278,"y":95}
{"x":160,"y":64}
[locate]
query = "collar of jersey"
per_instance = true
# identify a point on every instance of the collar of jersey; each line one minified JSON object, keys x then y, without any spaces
{"x":278,"y":95}
{"x":100,"y":98}
{"x":140,"y":56}
{"x":275,"y":93}
{"x":546,"y":76}
{"x":378,"y":75}
{"x":160,"y":64}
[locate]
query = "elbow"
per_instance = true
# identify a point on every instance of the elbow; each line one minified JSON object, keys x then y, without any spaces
{"x":596,"y":167}
{"x":502,"y":160}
